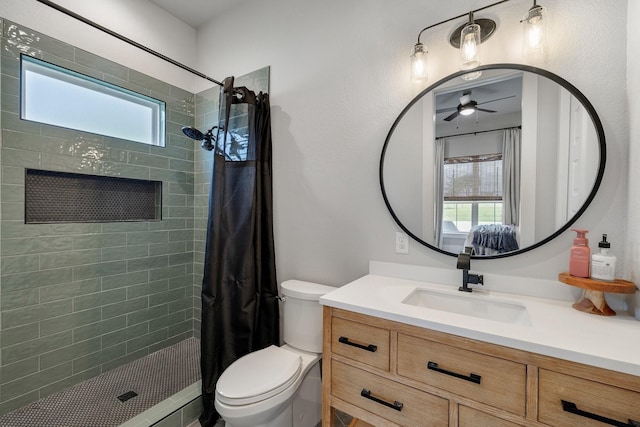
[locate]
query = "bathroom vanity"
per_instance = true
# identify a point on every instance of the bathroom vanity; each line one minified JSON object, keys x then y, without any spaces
{"x":487,"y":359}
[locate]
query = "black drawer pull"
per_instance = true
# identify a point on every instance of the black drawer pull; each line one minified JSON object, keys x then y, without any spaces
{"x":395,"y":405}
{"x":572,"y":408}
{"x":372,"y":348}
{"x":474,"y":378}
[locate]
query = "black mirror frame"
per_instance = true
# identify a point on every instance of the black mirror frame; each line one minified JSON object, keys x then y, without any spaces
{"x":551,"y":76}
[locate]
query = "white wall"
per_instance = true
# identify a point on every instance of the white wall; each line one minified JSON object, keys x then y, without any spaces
{"x":632,"y":254}
{"x":340,"y":76}
{"x":138,"y":20}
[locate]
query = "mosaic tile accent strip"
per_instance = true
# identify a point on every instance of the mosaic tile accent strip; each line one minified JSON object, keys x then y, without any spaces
{"x":154,"y":378}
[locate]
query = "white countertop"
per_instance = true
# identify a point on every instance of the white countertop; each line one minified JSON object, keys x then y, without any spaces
{"x":555,"y":328}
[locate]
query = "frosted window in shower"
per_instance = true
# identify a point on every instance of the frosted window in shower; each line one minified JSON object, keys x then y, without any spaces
{"x":56,"y":96}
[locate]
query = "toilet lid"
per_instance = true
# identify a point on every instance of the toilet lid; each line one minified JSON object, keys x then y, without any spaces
{"x":258,"y":376}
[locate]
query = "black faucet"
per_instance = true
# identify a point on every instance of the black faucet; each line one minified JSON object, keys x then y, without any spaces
{"x":464,"y":264}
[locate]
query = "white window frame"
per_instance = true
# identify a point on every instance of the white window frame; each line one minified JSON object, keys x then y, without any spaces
{"x":35,"y":105}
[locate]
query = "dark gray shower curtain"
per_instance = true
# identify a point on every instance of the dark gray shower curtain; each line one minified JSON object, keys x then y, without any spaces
{"x":240,"y":311}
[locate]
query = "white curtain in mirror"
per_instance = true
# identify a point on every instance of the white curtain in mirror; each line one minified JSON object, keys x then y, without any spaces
{"x":511,"y":175}
{"x":438,"y":171}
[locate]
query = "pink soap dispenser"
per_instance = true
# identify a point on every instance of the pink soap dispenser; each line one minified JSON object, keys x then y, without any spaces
{"x":580,"y":255}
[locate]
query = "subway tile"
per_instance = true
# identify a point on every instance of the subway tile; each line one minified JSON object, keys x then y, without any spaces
{"x":27,"y":159}
{"x":140,"y":342}
{"x":86,"y":332}
{"x":178,"y":305}
{"x":91,"y":301}
{"x":12,"y":193}
{"x":180,"y":211}
{"x":147,"y":315}
{"x":100,"y":64}
{"x":35,"y":381}
{"x":181,"y":282}
{"x":130,"y":357}
{"x":125,"y":252}
{"x":147,"y":288}
{"x":13,"y":175}
{"x":20,"y":334}
{"x":180,"y":328}
{"x":168,"y":224}
{"x":125,"y":307}
{"x":19,"y":299}
{"x":12,"y":210}
{"x":27,"y":349}
{"x":180,"y":235}
{"x":183,"y":258}
{"x":167,"y":248}
{"x":68,"y":321}
{"x":12,"y":121}
{"x":145,"y":81}
{"x":167,"y":272}
{"x":68,"y":229}
{"x":35,"y":313}
{"x":112,"y":353}
{"x":173,"y":420}
{"x":19,"y":369}
{"x":67,"y":354}
{"x":123,"y":335}
{"x":167,"y":320}
{"x":36,"y":279}
{"x":148,"y":160}
{"x":128,"y":279}
{"x":69,"y":290}
{"x":69,"y":259}
{"x":23,"y":246}
{"x":166,"y":297}
{"x":181,"y":165}
{"x":87,"y":362}
{"x":147,"y":263}
{"x":19,"y":402}
{"x":20,"y":263}
{"x":98,"y":270}
{"x":94,"y":241}
{"x":146,"y":237}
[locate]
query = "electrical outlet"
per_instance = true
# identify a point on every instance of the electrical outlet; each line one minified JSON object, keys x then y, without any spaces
{"x":402,"y":243}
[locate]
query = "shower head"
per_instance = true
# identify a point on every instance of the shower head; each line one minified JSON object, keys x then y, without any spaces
{"x":207,"y":139}
{"x":193,"y":133}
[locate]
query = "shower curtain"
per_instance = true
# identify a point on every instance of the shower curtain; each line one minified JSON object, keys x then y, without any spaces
{"x":240,"y":312}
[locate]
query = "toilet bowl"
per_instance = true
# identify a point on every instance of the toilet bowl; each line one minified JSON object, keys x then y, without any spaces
{"x":280,"y":386}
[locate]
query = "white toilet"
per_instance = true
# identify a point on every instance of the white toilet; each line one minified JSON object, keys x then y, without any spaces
{"x":280,"y":386}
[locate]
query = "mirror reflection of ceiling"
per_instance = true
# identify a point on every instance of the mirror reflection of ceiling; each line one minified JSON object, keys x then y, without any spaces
{"x":562,"y":155}
{"x":498,"y":99}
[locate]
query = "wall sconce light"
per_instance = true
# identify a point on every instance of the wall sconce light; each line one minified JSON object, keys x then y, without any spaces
{"x":419,"y":62}
{"x":468,"y":38}
{"x":533,"y":25}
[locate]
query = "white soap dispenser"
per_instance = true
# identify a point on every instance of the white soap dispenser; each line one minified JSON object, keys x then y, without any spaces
{"x":603,"y":264}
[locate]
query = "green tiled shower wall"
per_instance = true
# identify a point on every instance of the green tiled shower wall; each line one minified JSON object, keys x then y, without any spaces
{"x":79,"y":299}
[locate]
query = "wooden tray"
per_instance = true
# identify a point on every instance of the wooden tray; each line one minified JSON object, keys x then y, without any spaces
{"x":593,"y":300}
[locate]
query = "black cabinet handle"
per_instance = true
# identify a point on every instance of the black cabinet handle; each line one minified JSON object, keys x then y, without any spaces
{"x":572,"y":408}
{"x":372,"y":348}
{"x":474,"y":378}
{"x":395,"y":405}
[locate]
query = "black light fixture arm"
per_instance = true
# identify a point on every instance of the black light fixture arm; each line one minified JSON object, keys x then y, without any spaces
{"x":459,"y":16}
{"x":127,"y":40}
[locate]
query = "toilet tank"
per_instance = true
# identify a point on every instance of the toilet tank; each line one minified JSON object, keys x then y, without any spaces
{"x":302,"y":314}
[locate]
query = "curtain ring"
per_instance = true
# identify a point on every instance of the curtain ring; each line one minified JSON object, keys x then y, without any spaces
{"x":281,"y":298}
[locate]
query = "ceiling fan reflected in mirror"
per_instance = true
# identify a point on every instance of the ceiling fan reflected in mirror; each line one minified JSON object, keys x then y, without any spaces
{"x":468,"y":106}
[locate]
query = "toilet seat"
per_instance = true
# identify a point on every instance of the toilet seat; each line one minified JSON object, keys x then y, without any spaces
{"x":258,"y":376}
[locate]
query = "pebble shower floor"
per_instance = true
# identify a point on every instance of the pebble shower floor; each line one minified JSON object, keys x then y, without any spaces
{"x":95,"y":402}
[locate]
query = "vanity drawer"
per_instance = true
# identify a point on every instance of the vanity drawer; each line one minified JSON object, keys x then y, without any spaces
{"x":357,"y":341}
{"x":494,"y":381}
{"x":468,"y":417}
{"x":589,"y":398}
{"x":390,"y":400}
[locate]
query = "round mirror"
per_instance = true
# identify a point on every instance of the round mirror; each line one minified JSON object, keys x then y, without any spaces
{"x":501,"y":164}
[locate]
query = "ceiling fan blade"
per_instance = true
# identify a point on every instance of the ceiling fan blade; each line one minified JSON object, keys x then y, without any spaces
{"x":487,"y":111}
{"x":451,"y":117}
{"x":446,"y":110}
{"x":497,"y":99}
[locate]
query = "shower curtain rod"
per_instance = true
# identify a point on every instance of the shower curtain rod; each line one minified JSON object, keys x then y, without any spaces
{"x":127,"y":40}
{"x":480,"y":131}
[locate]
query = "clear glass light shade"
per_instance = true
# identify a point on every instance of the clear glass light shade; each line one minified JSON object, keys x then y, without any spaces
{"x":470,"y":46}
{"x":419,"y":63}
{"x":533,"y":25}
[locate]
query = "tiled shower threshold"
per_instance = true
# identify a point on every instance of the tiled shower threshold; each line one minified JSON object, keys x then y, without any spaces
{"x":179,"y":410}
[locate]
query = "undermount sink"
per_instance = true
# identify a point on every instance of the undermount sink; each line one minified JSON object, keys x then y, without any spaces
{"x":474,"y":305}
